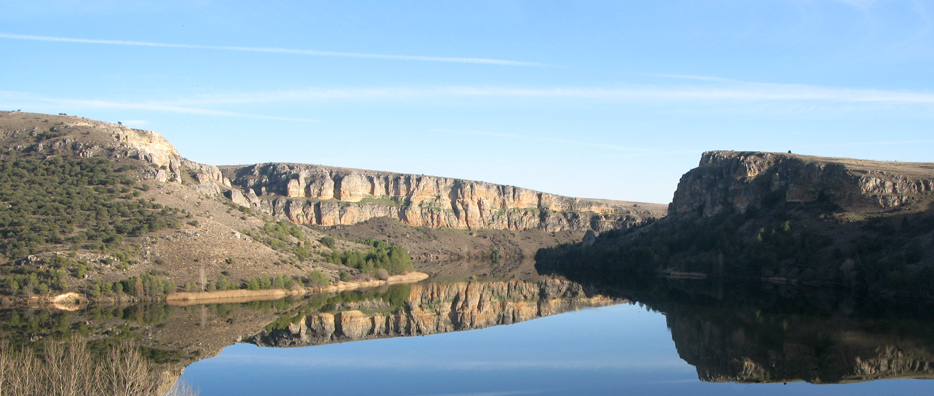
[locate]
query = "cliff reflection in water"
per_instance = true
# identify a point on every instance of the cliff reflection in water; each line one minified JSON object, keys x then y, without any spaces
{"x":760,"y":332}
{"x":430,"y":309}
{"x":156,"y":342}
{"x":729,"y":332}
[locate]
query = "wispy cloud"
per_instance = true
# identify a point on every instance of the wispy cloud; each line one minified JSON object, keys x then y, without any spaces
{"x":145,"y":106}
{"x":710,"y":91}
{"x":272,"y":50}
{"x":727,"y":90}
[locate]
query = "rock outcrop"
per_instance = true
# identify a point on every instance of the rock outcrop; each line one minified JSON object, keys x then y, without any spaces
{"x":320,"y":195}
{"x":733,"y":179}
{"x":439,"y":308}
{"x":87,"y":138}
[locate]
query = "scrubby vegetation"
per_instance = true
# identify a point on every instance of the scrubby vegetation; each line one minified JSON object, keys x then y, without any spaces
{"x":66,"y":203}
{"x":283,"y":236}
{"x":75,"y":203}
{"x":783,"y":241}
{"x":381,"y":255}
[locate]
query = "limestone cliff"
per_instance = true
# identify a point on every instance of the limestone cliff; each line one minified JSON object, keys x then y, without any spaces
{"x":439,"y":308}
{"x":742,"y":179}
{"x":88,"y":138}
{"x":865,"y":225}
{"x":320,"y":195}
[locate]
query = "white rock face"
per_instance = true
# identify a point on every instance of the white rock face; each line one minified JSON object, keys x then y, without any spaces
{"x":739,"y":179}
{"x":335,"y":196}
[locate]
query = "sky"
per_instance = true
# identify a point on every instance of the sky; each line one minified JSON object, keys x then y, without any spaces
{"x":596,"y":99}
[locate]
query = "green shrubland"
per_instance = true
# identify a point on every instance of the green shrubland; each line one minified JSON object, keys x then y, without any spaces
{"x":381,"y":255}
{"x":75,"y":203}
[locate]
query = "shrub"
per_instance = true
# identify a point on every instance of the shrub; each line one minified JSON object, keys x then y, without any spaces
{"x":317,"y":279}
{"x":382,"y":274}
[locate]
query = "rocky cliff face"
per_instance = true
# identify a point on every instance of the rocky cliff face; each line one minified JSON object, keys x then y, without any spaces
{"x":88,"y":138}
{"x":731,"y":179}
{"x":439,"y":308}
{"x":320,"y":195}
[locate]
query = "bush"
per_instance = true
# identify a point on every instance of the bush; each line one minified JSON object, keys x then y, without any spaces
{"x":382,"y":274}
{"x":317,"y":279}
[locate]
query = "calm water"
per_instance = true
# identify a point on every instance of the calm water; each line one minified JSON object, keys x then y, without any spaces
{"x":545,"y":337}
{"x":610,"y":350}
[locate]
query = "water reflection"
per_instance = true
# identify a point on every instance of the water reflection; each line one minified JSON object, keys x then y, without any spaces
{"x":73,"y":368}
{"x":754,"y":332}
{"x":426,"y":309}
{"x":746,"y":333}
{"x":157,"y":341}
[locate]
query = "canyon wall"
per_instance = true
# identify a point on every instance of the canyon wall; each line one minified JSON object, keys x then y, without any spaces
{"x":320,"y":195}
{"x":733,"y":179}
{"x":438,"y":308}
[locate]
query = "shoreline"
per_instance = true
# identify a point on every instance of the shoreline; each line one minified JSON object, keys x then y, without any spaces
{"x":241,"y":296}
{"x":72,"y":301}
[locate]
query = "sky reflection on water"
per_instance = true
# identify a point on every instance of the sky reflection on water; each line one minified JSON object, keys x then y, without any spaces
{"x":611,"y":350}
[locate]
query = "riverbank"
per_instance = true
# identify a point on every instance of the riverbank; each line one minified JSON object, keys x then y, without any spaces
{"x":241,"y":296}
{"x":72,"y":301}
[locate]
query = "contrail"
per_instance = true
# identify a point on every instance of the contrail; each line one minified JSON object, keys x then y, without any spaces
{"x":273,"y":50}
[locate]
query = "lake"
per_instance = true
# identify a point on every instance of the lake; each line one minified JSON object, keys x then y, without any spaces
{"x":549,"y":337}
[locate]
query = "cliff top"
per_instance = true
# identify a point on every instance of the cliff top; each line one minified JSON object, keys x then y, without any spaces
{"x":911,"y":169}
{"x":233,"y":170}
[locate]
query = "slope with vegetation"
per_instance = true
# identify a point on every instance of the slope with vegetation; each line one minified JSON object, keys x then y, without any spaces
{"x":864,"y":225}
{"x":116,"y":213}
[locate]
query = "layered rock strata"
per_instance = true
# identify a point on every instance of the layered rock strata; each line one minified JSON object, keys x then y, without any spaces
{"x":320,"y":195}
{"x":439,"y":308}
{"x":734,"y":179}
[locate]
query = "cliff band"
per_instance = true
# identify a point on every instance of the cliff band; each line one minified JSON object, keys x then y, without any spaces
{"x":321,"y":195}
{"x":740,"y":179}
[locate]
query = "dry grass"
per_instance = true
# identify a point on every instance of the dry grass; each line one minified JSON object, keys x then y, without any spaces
{"x":227,"y":296}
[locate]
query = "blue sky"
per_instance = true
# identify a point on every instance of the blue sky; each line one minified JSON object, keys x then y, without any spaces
{"x":596,"y":99}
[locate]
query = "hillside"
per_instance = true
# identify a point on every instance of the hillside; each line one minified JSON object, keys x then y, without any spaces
{"x":117,"y":213}
{"x":865,"y":225}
